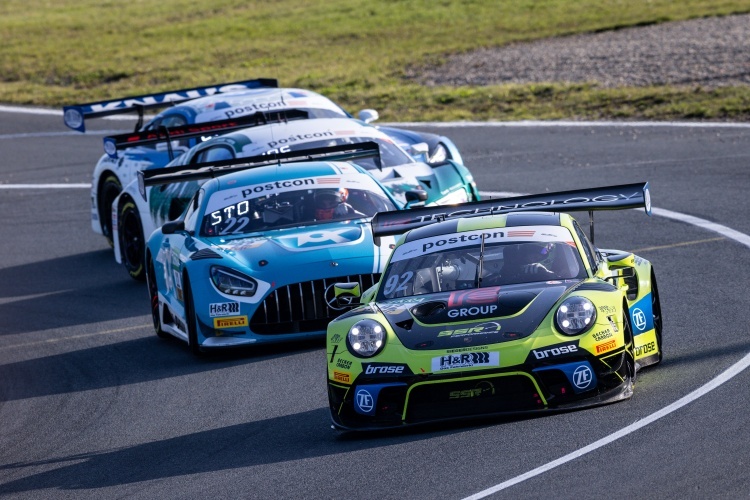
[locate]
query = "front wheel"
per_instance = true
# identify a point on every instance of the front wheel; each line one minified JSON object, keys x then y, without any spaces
{"x":153,"y":292}
{"x":190,"y":319}
{"x":131,"y":240}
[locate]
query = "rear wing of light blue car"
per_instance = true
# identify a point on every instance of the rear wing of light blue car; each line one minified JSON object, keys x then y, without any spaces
{"x":75,"y":115}
{"x":624,"y":196}
{"x":114,"y":143}
{"x":197,"y":171}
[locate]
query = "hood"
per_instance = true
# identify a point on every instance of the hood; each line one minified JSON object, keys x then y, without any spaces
{"x":465,"y":318}
{"x":301,"y":254}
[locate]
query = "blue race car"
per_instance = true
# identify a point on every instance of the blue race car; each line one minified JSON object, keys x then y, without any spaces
{"x":196,"y":111}
{"x":255,"y":255}
{"x":133,"y":218}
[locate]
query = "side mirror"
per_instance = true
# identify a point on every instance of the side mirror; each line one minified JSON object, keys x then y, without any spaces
{"x":368,"y":115}
{"x":415,"y":197}
{"x":346,"y":294}
{"x":173,"y":227}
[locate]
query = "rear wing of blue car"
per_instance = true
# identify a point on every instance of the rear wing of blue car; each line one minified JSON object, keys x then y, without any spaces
{"x":75,"y":115}
{"x":624,"y":196}
{"x":114,"y":143}
{"x":197,"y":171}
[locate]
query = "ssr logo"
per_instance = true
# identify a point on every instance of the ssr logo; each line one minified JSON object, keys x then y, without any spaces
{"x":385,"y":369}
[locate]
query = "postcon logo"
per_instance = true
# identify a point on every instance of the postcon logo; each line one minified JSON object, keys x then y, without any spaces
{"x":465,"y":360}
{"x":223,"y":309}
{"x":230,"y":322}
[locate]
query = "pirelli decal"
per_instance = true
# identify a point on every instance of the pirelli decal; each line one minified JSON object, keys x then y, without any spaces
{"x":343,"y":377}
{"x":230,"y":322}
{"x":606,"y":346}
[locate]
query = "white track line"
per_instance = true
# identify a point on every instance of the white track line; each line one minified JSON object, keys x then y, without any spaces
{"x":46,"y":186}
{"x":717,"y":381}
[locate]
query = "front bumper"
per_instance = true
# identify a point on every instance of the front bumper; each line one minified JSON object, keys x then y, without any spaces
{"x":377,"y":403}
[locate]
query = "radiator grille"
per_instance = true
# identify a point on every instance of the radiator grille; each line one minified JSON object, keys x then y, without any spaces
{"x":302,"y":307}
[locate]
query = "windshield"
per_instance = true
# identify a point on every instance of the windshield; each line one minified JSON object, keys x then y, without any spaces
{"x":481,"y":259}
{"x":390,"y":154}
{"x":289,"y":203}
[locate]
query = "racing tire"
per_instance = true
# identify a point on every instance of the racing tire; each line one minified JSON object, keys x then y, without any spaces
{"x":132,"y":244}
{"x":153,"y":292}
{"x":629,"y":346}
{"x":109,"y":189}
{"x":656,"y":312}
{"x":190,"y":319}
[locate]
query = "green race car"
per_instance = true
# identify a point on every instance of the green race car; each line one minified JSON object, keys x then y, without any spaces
{"x":494,"y":307}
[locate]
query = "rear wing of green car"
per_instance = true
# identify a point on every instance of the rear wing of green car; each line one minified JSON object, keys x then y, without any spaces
{"x":197,"y":171}
{"x":114,"y":143}
{"x":624,"y":196}
{"x":75,"y":115}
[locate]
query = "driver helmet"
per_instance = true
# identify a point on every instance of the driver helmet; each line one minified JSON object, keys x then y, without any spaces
{"x":327,"y":200}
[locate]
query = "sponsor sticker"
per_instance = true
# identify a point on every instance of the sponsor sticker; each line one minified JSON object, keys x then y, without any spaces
{"x":223,"y":309}
{"x":230,"y":322}
{"x":343,"y":377}
{"x":465,"y":360}
{"x":604,"y":334}
{"x":344,"y":363}
{"x":607,"y":346}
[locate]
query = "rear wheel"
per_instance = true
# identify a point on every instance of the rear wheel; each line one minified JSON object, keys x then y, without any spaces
{"x":131,"y":240}
{"x":190,"y":319}
{"x":109,"y":189}
{"x":153,"y":292}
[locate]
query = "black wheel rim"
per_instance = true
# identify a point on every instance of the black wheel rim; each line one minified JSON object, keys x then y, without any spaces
{"x":132,"y":241}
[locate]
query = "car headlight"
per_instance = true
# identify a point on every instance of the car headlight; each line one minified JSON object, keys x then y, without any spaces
{"x":575,"y":315}
{"x":233,"y":282}
{"x":366,"y":338}
{"x":439,"y":155}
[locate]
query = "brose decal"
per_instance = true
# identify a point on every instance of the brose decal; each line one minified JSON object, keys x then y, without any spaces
{"x":385,"y":369}
{"x":645,"y":349}
{"x":555,"y":351}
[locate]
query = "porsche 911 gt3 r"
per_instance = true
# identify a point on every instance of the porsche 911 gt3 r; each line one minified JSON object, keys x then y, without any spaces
{"x":228,"y":104}
{"x":133,"y":217}
{"x":500,"y":306}
{"x":254,"y":258}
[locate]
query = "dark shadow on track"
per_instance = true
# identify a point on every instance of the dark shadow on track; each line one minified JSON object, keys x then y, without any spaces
{"x":128,"y":362}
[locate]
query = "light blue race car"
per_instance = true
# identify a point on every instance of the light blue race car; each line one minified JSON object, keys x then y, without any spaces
{"x":255,"y":255}
{"x":190,"y":115}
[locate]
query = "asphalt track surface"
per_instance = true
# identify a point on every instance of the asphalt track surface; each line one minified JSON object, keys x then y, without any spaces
{"x":94,"y":405}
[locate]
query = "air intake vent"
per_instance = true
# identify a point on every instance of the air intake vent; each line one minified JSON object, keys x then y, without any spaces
{"x":205,"y":253}
{"x":303,"y":307}
{"x":599,"y":287}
